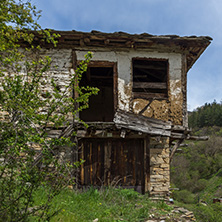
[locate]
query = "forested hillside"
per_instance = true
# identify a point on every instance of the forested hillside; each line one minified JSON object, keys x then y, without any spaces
{"x":197,"y":169}
{"x":208,"y":115}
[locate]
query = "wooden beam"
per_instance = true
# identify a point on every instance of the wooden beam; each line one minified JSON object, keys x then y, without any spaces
{"x":101,"y":64}
{"x":178,"y":135}
{"x":175,"y":147}
{"x":147,"y":95}
{"x":150,"y":85}
{"x":182,"y":135}
{"x":153,"y":67}
{"x":180,"y":128}
{"x":200,"y":138}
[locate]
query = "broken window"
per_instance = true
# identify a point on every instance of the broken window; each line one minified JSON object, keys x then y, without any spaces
{"x":101,"y":106}
{"x":150,"y":78}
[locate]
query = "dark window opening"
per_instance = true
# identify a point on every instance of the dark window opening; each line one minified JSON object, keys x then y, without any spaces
{"x":101,"y":106}
{"x":150,"y":78}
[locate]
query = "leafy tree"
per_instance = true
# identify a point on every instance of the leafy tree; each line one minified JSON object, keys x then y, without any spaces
{"x":28,"y":156}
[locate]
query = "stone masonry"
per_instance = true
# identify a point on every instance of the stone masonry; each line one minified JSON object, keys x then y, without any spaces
{"x":159,"y":166}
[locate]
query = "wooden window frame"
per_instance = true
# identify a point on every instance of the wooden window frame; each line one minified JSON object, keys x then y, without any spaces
{"x":151,"y":85}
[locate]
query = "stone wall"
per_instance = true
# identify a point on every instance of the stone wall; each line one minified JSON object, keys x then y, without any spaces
{"x":159,"y":166}
{"x":60,"y":71}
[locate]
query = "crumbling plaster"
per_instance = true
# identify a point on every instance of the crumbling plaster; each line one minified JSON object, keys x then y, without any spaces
{"x":168,"y":109}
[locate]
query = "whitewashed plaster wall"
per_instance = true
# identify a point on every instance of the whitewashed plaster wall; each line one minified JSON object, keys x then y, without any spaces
{"x":124,"y":70}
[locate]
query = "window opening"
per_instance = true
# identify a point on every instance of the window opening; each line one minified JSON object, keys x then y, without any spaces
{"x":150,"y":78}
{"x":101,"y":106}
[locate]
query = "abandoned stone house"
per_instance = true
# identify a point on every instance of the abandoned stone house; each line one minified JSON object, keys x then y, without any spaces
{"x":141,"y":109}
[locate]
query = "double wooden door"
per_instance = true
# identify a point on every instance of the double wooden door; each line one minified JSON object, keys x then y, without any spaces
{"x":117,"y":162}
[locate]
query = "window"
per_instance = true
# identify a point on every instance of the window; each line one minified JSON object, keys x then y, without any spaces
{"x":150,"y":78}
{"x":101,"y":106}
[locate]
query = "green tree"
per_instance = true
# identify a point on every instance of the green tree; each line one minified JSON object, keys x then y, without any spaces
{"x":28,"y":157}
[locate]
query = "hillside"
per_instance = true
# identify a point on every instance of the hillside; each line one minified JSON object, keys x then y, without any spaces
{"x":197,"y":169}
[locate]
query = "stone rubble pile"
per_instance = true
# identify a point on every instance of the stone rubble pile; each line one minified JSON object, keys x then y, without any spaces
{"x":178,"y":214}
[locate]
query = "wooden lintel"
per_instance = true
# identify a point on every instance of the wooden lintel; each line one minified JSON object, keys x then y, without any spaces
{"x":101,"y":64}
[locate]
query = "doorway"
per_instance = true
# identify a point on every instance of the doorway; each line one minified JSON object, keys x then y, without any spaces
{"x":101,"y":106}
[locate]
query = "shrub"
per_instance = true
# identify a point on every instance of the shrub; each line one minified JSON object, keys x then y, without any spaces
{"x":184,"y":196}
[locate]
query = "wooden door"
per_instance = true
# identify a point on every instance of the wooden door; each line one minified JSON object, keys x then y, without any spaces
{"x":117,"y":162}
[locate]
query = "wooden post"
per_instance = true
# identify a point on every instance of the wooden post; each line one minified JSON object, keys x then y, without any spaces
{"x":107,"y":162}
{"x":175,"y":148}
{"x":146,"y":165}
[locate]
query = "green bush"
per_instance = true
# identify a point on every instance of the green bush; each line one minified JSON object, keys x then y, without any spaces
{"x":200,"y":185}
{"x":184,"y":196}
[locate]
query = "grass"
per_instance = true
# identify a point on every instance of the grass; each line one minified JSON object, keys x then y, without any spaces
{"x":108,"y":204}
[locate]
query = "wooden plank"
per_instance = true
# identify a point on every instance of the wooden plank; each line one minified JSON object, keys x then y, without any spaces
{"x":179,"y":128}
{"x":86,"y":163}
{"x":107,"y":163}
{"x":98,"y":163}
{"x":150,"y":85}
{"x":82,"y":165}
{"x":90,"y":163}
{"x":94,"y":161}
{"x":155,"y":122}
{"x":146,"y":165}
{"x":153,"y":67}
{"x":142,"y":123}
{"x":147,"y":95}
{"x":177,"y":135}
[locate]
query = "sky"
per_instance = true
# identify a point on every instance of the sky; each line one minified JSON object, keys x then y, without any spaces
{"x":156,"y":17}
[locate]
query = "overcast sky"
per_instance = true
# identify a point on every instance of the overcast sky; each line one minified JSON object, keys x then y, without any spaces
{"x":157,"y":17}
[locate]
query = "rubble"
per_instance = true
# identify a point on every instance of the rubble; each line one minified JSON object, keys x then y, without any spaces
{"x":177,"y":214}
